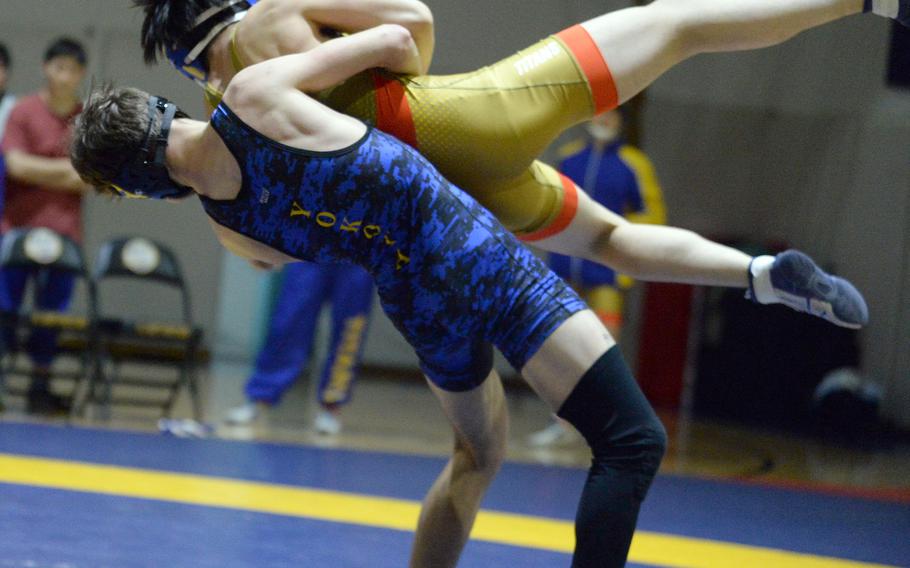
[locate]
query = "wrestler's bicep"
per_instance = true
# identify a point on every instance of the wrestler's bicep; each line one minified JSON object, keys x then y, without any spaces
{"x":357,"y":15}
{"x":334,"y":61}
{"x":336,"y":17}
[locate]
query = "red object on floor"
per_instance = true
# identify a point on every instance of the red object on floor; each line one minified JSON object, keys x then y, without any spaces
{"x":663,"y":343}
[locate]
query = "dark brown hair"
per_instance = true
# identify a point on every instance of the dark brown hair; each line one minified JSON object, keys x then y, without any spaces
{"x":108,"y":133}
{"x":5,"y":60}
{"x":166,"y":22}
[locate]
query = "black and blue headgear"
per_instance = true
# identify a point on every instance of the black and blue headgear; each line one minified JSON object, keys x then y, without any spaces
{"x":187,"y":56}
{"x":146,"y":176}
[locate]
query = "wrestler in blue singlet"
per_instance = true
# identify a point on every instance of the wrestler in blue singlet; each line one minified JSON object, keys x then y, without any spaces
{"x":449,"y":276}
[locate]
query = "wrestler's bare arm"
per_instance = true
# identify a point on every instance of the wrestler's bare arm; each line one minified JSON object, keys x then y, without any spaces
{"x":333,"y":61}
{"x":357,"y":15}
{"x":283,"y":27}
{"x":270,"y":96}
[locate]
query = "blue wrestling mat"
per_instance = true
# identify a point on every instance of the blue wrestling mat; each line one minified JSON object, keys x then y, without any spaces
{"x":74,"y":497}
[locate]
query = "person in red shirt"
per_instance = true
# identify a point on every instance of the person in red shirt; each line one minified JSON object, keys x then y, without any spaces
{"x":43,"y":190}
{"x":6,"y":99}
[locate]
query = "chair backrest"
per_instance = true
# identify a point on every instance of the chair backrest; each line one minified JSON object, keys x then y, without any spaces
{"x":40,"y":247}
{"x":143,"y":259}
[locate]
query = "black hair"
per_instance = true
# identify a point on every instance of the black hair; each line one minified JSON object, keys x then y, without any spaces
{"x":4,"y":56}
{"x":109,"y":132}
{"x":166,"y":22}
{"x":66,"y":47}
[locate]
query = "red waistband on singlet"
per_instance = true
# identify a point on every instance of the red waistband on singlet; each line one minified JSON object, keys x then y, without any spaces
{"x":565,"y":216}
{"x":592,"y":64}
{"x":393,"y":113}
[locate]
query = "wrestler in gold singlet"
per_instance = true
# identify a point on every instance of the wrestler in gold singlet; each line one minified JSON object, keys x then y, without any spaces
{"x":484,"y":129}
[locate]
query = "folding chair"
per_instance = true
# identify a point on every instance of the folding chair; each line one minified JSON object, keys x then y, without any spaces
{"x":38,"y":249}
{"x":175,"y":343}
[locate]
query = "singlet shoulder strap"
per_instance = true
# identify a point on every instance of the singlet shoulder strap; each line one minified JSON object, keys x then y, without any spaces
{"x":212,"y":94}
{"x":240,"y":141}
{"x":235,"y":51}
{"x":235,"y":134}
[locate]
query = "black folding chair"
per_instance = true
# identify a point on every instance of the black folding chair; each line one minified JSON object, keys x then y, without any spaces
{"x":121,"y":340}
{"x":38,"y":249}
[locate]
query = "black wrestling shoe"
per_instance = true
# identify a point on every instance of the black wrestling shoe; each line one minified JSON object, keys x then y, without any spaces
{"x":793,"y":279}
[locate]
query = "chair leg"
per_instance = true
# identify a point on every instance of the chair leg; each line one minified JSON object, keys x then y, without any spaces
{"x":193,"y":386}
{"x":91,"y":387}
{"x":93,"y":376}
{"x":82,"y":383}
{"x":187,"y":378}
{"x":174,"y":391}
{"x":2,"y":383}
{"x":106,"y":385}
{"x":96,"y":370}
{"x":7,"y":364}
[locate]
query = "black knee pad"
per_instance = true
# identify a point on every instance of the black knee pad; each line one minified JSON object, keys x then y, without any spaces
{"x":615,"y":418}
{"x":628,"y":442}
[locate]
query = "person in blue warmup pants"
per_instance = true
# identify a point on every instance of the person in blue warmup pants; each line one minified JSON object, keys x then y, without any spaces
{"x":305,"y":289}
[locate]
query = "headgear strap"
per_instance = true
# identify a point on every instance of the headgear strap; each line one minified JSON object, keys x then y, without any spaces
{"x":146,"y":175}
{"x":228,"y":13}
{"x":187,"y":53}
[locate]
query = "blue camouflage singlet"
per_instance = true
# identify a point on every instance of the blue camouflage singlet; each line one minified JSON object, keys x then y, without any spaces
{"x":449,"y":276}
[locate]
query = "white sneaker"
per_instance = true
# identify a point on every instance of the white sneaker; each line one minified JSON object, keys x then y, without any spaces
{"x":327,"y":423}
{"x":552,"y":435}
{"x":185,"y":428}
{"x":243,"y":414}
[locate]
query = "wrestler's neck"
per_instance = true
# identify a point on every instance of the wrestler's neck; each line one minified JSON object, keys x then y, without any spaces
{"x":196,"y":157}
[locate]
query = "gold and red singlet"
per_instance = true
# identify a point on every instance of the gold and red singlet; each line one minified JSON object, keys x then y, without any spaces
{"x":484,"y":129}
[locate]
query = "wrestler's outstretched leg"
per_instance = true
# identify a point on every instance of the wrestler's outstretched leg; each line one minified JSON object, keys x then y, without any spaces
{"x":480,"y":420}
{"x":584,"y":228}
{"x":654,"y":253}
{"x":580,"y":373}
{"x":640,"y":44}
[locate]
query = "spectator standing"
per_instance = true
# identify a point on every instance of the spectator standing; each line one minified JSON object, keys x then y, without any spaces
{"x":43,"y":190}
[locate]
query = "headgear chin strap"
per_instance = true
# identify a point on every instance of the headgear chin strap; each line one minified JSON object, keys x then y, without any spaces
{"x":186,"y":56}
{"x":146,"y":176}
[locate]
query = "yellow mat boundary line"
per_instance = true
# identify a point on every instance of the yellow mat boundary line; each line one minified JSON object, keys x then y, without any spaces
{"x":383,"y":512}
